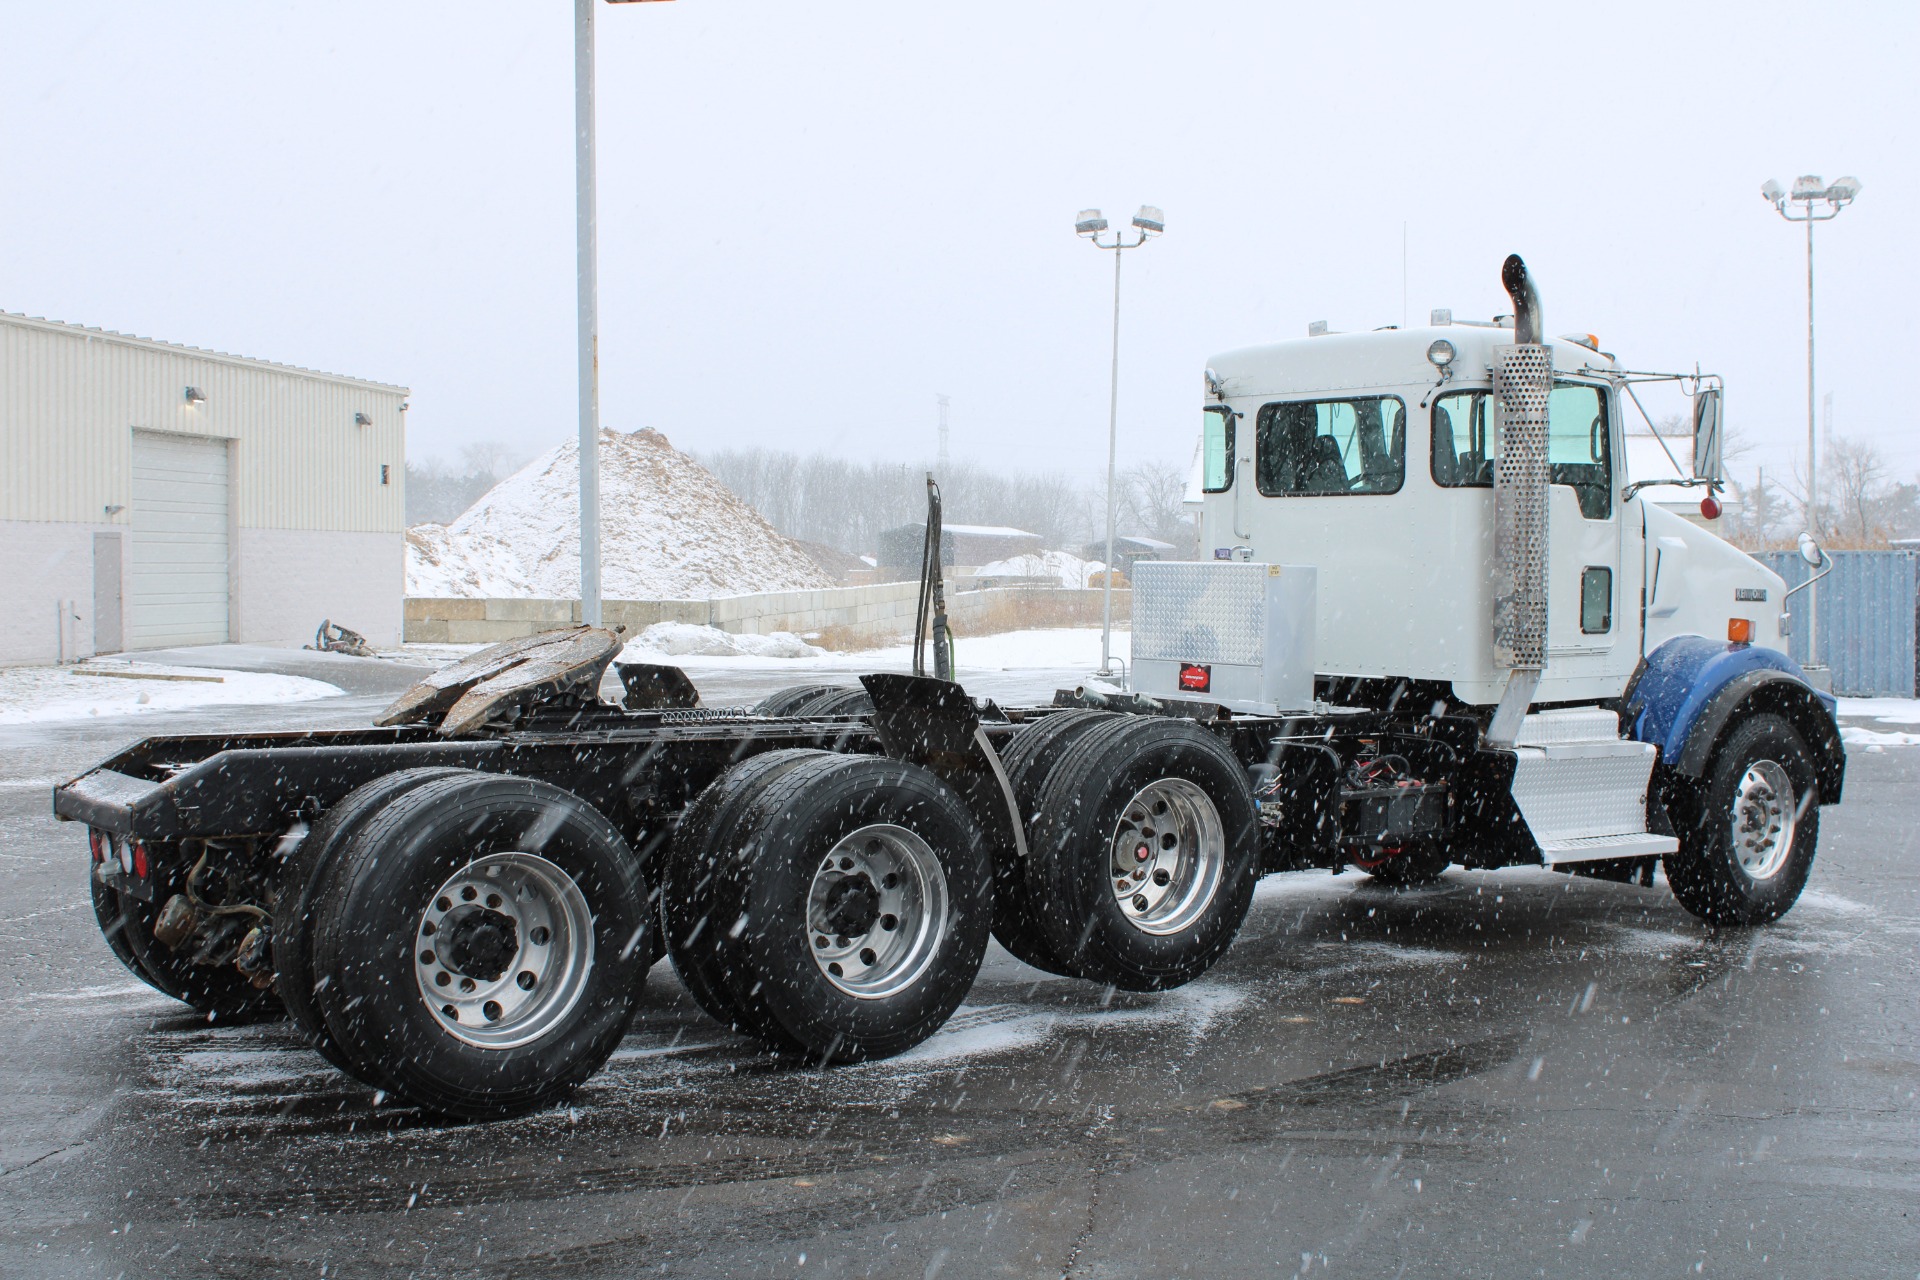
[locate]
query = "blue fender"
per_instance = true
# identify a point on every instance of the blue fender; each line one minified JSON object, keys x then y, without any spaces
{"x":1690,"y":689}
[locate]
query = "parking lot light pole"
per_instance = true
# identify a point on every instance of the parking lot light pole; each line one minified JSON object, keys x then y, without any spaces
{"x":586,"y":268}
{"x":1809,"y":191}
{"x":1149,"y":222}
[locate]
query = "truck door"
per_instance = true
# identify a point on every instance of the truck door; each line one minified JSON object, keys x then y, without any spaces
{"x":1586,"y":617}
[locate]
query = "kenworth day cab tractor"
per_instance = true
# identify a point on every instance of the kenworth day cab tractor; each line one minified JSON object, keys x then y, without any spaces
{"x":1440,"y":626}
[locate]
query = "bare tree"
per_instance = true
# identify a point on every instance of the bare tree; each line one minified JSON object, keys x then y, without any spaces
{"x":1151,"y":494}
{"x":846,"y":504}
{"x":437,"y":491}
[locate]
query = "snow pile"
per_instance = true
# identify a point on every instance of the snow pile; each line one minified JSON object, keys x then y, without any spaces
{"x":1063,"y":567}
{"x":439,"y":567}
{"x":668,"y":531}
{"x":686,"y":639}
{"x":39,"y":694}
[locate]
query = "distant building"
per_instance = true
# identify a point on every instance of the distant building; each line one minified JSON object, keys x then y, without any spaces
{"x":1129,"y":548}
{"x":961,"y":545}
{"x":154,"y":495}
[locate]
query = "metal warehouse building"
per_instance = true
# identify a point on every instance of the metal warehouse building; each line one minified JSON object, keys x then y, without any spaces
{"x":155,"y":495}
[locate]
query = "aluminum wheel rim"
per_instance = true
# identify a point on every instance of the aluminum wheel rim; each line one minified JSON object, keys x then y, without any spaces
{"x":877,"y":911}
{"x":503,"y":950}
{"x":1765,"y":814}
{"x":1168,"y":854}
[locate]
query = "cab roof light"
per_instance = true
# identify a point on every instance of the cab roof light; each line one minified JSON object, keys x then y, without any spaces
{"x":1587,"y":340}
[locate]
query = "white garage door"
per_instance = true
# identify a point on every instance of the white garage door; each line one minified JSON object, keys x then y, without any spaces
{"x":179,"y":569}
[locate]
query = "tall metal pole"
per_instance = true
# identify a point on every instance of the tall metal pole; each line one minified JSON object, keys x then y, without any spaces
{"x":586,"y":268}
{"x":1113,"y":447}
{"x":1813,"y":501}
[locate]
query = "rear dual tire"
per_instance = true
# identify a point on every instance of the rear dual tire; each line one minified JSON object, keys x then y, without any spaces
{"x":482,"y":939}
{"x":1143,"y":851}
{"x":844,"y":903}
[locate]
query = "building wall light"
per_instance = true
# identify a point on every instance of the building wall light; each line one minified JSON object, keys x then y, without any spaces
{"x":196,"y":396}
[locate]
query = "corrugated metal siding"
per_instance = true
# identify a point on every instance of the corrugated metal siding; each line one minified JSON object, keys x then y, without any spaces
{"x":71,"y":398}
{"x":1869,"y":609}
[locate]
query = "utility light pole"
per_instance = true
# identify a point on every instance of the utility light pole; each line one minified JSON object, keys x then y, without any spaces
{"x":1150,"y":222}
{"x":1809,"y":191}
{"x":586,"y":270}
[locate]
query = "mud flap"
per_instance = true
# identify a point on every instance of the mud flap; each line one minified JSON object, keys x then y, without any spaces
{"x":933,"y":723}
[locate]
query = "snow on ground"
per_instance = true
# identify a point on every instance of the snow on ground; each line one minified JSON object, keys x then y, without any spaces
{"x":38,"y":694}
{"x":669,"y":531}
{"x":1885,"y":710}
{"x":686,"y":639}
{"x":1064,"y":567}
{"x":1049,"y":648}
{"x":1874,"y":739}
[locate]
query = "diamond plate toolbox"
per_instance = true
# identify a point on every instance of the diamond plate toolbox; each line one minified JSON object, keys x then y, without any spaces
{"x":1239,"y":634}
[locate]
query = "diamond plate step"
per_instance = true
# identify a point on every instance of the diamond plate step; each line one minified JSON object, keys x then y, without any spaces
{"x":1590,"y":848}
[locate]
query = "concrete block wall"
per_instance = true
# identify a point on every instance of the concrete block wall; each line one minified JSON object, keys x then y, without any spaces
{"x":874,"y":614}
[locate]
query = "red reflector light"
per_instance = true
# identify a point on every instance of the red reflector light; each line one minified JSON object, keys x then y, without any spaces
{"x":140,"y":861}
{"x":1196,"y":677}
{"x":1740,"y":630}
{"x":97,"y":841}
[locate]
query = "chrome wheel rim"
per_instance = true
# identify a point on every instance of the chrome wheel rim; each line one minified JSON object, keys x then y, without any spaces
{"x":1168,"y":854}
{"x":877,"y":911}
{"x":1765,"y":813}
{"x":503,"y":950}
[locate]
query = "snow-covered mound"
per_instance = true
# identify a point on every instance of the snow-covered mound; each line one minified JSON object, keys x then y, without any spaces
{"x":1067,"y":569}
{"x":687,"y":639}
{"x":668,"y":531}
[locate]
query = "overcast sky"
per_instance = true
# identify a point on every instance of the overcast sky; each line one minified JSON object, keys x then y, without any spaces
{"x":816,"y":216}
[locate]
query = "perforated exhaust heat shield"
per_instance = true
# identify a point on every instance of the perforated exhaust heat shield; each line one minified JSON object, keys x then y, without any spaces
{"x":1522,"y":380}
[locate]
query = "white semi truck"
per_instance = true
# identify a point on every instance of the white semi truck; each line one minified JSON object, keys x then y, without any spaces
{"x":1440,"y":626}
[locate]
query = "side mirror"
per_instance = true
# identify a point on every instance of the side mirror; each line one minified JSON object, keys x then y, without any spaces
{"x":1706,"y":434}
{"x":1810,"y":551}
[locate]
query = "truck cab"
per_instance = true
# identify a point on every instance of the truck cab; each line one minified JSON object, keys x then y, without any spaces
{"x":1360,"y":455}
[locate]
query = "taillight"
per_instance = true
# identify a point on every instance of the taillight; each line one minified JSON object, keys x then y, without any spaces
{"x":140,"y":860}
{"x":97,"y":841}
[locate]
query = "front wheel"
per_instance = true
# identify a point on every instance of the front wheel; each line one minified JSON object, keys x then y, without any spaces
{"x":1748,"y":829}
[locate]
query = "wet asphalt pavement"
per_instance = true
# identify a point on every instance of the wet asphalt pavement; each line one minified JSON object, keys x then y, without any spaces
{"x":1510,"y":1074}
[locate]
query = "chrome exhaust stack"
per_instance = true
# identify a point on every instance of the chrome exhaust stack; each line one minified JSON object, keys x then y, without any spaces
{"x":1527,"y":324}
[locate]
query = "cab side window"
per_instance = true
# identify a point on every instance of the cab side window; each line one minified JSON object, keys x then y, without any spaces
{"x":1323,"y":447}
{"x":1577,"y":450}
{"x":1578,"y":453}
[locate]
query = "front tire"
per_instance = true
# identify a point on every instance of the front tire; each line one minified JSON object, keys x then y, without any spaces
{"x":483,"y":944}
{"x":1748,"y":830}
